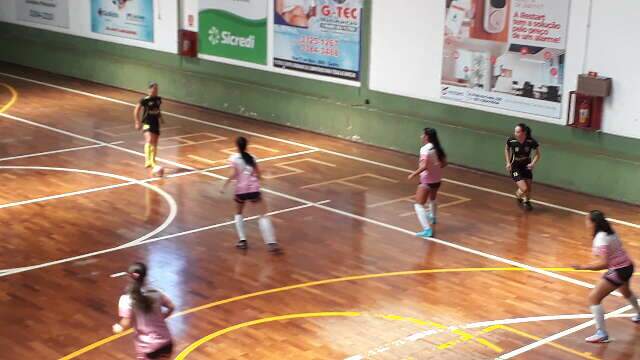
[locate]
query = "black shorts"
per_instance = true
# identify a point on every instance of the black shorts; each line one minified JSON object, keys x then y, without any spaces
{"x":252,"y":196}
{"x":519,"y":171}
{"x":151,"y":125}
{"x":163,"y":352}
{"x":434,"y":186}
{"x":620,"y":276}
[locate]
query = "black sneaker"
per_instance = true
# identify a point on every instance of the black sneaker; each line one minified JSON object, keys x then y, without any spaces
{"x":527,"y":206}
{"x":274,"y":248}
{"x":242,"y":244}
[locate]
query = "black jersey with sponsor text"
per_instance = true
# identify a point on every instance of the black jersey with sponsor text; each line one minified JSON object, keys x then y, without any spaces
{"x":521,"y":152}
{"x":151,"y":107}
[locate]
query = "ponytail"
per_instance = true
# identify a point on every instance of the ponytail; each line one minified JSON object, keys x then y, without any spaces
{"x":241,"y":143}
{"x":432,"y":134}
{"x":138,"y":272}
{"x":600,"y":223}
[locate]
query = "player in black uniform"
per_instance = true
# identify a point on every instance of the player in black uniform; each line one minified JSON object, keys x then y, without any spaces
{"x":147,"y":117}
{"x":517,"y":154}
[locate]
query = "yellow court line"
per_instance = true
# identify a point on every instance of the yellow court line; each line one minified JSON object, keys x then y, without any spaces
{"x":464,"y":336}
{"x":14,"y":97}
{"x":104,"y":341}
{"x":584,"y":355}
{"x":216,"y":334}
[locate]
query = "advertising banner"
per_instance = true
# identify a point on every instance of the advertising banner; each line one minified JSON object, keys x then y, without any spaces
{"x":132,"y":19}
{"x":47,"y":12}
{"x":507,"y":54}
{"x":318,"y":36}
{"x":234,"y":29}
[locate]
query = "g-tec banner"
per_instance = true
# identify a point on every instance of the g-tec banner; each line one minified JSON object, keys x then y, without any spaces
{"x":234,"y":29}
{"x":318,"y":36}
{"x":47,"y":12}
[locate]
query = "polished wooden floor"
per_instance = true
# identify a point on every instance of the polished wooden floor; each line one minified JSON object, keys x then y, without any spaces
{"x":352,"y":283}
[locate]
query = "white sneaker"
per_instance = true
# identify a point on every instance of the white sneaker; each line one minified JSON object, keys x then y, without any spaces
{"x":599,"y":337}
{"x":636,"y":319}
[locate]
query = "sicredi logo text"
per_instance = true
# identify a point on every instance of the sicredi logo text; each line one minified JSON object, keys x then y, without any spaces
{"x":217,"y":37}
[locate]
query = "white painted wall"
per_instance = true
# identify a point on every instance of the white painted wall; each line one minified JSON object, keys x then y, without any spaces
{"x":407,"y":44}
{"x":406,"y":49}
{"x":189,"y":16}
{"x":614,"y":51}
{"x":165,"y":24}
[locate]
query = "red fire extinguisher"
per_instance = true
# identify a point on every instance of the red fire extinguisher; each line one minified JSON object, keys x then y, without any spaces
{"x":188,"y":43}
{"x":584,"y":113}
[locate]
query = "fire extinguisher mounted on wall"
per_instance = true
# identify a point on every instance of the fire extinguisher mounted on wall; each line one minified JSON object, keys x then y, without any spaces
{"x":584,"y":114}
{"x":188,"y":45}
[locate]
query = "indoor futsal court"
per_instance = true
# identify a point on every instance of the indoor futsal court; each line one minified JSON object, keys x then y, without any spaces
{"x":319,"y":180}
{"x":352,"y":281}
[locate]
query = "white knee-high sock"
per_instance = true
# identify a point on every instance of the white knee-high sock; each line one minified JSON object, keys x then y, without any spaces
{"x":422,"y":215}
{"x":266,"y":228}
{"x":433,"y":208}
{"x":598,"y":316}
{"x":240,"y":227}
{"x":634,"y":302}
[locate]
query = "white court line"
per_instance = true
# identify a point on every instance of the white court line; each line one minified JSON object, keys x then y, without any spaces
{"x":8,"y":272}
{"x":373,"y":162}
{"x":484,"y":324}
{"x":103,"y":131}
{"x":109,"y":187}
{"x":480,"y":188}
{"x":64,"y":195}
{"x":462,"y":248}
{"x":559,"y":335}
{"x":173,"y":207}
{"x":330,"y":209}
{"x":445,"y":243}
{"x":57,"y":151}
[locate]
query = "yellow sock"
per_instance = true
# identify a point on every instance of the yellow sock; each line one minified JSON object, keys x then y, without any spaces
{"x":152,"y":152}
{"x":147,"y":155}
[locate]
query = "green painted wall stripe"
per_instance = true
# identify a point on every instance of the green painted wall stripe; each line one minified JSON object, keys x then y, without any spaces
{"x":598,"y":164}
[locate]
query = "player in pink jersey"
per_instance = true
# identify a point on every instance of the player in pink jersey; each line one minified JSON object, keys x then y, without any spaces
{"x":432,"y":160}
{"x":142,"y":307}
{"x":610,"y":254}
{"x":247,"y":176}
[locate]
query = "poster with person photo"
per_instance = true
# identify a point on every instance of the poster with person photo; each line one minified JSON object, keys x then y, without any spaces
{"x":507,"y":54}
{"x":318,"y":36}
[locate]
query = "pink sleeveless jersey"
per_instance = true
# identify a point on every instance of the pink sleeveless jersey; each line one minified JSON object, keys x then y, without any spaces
{"x":433,"y":173}
{"x":247,"y":181}
{"x":151,"y":331}
{"x":610,"y":247}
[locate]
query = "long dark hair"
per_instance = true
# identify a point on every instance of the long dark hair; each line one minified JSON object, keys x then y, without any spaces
{"x":138,"y":272}
{"x":600,"y":223}
{"x":526,"y":129}
{"x":242,"y":143}
{"x":432,"y":134}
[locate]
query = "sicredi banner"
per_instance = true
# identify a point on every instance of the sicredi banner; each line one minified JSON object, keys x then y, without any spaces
{"x":47,"y":12}
{"x":234,"y":29}
{"x":132,"y":19}
{"x":507,"y":54}
{"x":318,"y":36}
